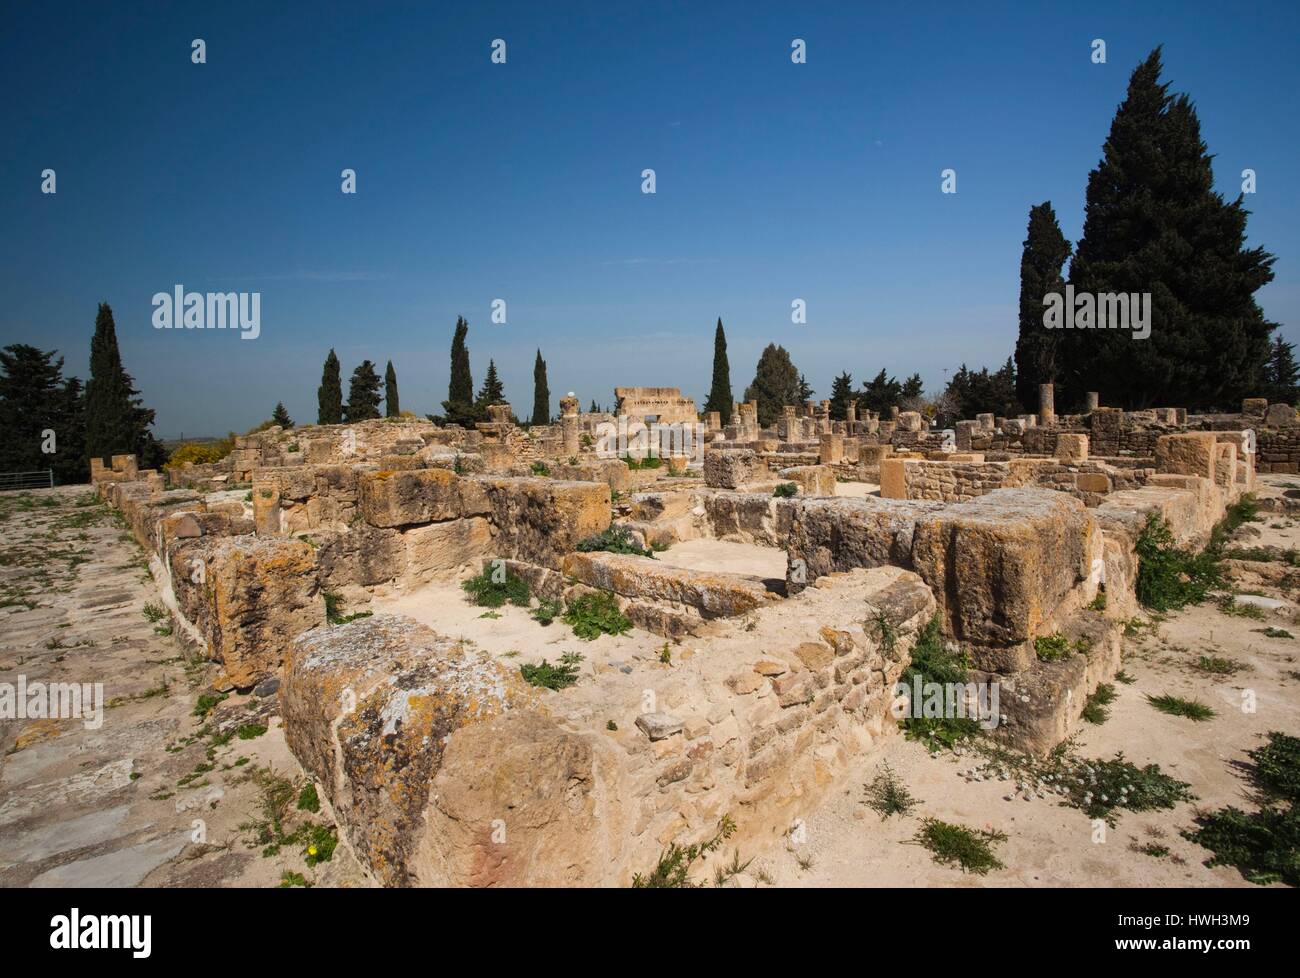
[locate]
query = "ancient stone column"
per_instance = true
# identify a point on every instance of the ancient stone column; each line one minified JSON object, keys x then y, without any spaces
{"x":569,"y":423}
{"x":830,"y":448}
{"x":851,"y":414}
{"x":1046,"y":404}
{"x":893,"y":412}
{"x":713,"y":421}
{"x":789,"y":423}
{"x":1091,"y":401}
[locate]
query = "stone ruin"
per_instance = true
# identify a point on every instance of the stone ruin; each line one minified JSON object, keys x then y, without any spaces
{"x":1006,"y":530}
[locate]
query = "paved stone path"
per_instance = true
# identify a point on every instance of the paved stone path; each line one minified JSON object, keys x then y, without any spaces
{"x":161,"y":791}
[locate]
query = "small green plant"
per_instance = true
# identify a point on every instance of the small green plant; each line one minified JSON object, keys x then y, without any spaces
{"x":888,"y":795}
{"x":250,"y":731}
{"x":615,"y":540}
{"x":492,"y":615}
{"x":1095,"y":710}
{"x":726,"y":873}
{"x":785,"y":490}
{"x":956,"y":845}
{"x":334,"y":610}
{"x":540,"y":468}
{"x":1230,"y":606}
{"x":1052,"y":648}
{"x":290,"y":879}
{"x":1272,"y":632}
{"x":611,"y":725}
{"x":932,"y":662}
{"x":321,"y":843}
{"x":308,"y":799}
{"x":1099,"y":602}
{"x":1155,"y":850}
{"x":649,"y":462}
{"x":557,"y":677}
{"x":154,"y":612}
{"x":1099,"y":787}
{"x":674,"y":866}
{"x":1179,"y":707}
{"x":547,"y":611}
{"x":1125,"y":678}
{"x":206,"y":703}
{"x":493,"y":587}
{"x":666,"y":655}
{"x":1217,"y":665}
{"x":1169,"y":577}
{"x":595,"y":614}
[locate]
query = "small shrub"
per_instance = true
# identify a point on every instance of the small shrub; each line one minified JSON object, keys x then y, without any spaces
{"x":540,"y":468}
{"x":1217,"y":665}
{"x":547,"y":611}
{"x":557,"y":677}
{"x":321,"y":843}
{"x":596,"y":614}
{"x":956,"y":845}
{"x":1095,"y":710}
{"x":1277,"y":767}
{"x":615,"y":540}
{"x":785,"y":490}
{"x":1098,"y":788}
{"x":1168,"y":577}
{"x":673,"y":869}
{"x":206,"y":703}
{"x":1272,"y":632}
{"x":1125,"y":678}
{"x":888,"y":795}
{"x":1099,"y":602}
{"x":308,"y":799}
{"x":154,"y":612}
{"x":488,"y":593}
{"x":334,"y":610}
{"x":1052,"y":648}
{"x":1230,"y":606}
{"x":1179,"y":707}
{"x":933,"y":662}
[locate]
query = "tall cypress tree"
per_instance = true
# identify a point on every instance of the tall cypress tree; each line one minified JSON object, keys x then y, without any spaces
{"x":329,"y":395}
{"x":720,"y":393}
{"x":1041,"y":262}
{"x":392,"y":403}
{"x":363,"y":394}
{"x":541,"y":392}
{"x":1153,"y":224}
{"x":458,"y":408}
{"x":116,"y":423}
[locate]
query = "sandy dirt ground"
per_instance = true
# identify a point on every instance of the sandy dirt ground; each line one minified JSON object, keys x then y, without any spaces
{"x":155,"y":796}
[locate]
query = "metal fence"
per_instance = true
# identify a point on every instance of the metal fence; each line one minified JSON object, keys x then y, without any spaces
{"x":43,"y":479}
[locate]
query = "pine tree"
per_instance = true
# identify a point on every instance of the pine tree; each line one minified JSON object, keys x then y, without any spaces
{"x":1041,"y":262}
{"x":329,"y":395}
{"x":116,"y":423}
{"x":881,"y":393}
{"x":542,"y":393}
{"x":1153,"y":224}
{"x":392,"y":403}
{"x":805,"y":389}
{"x":720,"y":393}
{"x":363,"y":394}
{"x":913,"y":388}
{"x":458,"y":408}
{"x":1282,"y":377}
{"x":493,"y":392}
{"x":34,"y":400}
{"x":776,"y":384}
{"x":280,"y":416}
{"x":841,"y":394}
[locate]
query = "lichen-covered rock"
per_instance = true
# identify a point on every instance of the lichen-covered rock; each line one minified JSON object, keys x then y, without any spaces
{"x":248,"y":597}
{"x":540,"y":520}
{"x":392,"y":499}
{"x":362,"y":555}
{"x":749,"y":517}
{"x":838,"y":534}
{"x":371,"y":709}
{"x":1189,"y":453}
{"x":731,"y":468}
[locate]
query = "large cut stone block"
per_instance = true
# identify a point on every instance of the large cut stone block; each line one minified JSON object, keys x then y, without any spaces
{"x":391,"y":499}
{"x":1190,"y":453}
{"x":999,"y":565}
{"x":716,"y":594}
{"x":731,"y":468}
{"x":439,"y":550}
{"x":839,"y":534}
{"x":541,"y":520}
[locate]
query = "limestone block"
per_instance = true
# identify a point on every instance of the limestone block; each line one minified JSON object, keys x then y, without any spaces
{"x":438,"y":551}
{"x":1280,"y":416}
{"x":812,"y":480}
{"x":1072,"y":447}
{"x":713,"y":594}
{"x":893,"y":478}
{"x":1190,"y":453}
{"x":731,"y":468}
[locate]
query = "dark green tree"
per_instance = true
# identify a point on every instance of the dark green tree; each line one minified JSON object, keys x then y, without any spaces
{"x":842,"y":393}
{"x":41,"y":414}
{"x":1154,"y":224}
{"x":1281,"y":376}
{"x":329,"y":395}
{"x":805,"y":389}
{"x":363,"y":394}
{"x":970,"y":393}
{"x":280,"y":416}
{"x":720,"y":393}
{"x":594,"y":409}
{"x":458,"y":408}
{"x":881,"y":393}
{"x":1041,"y":262}
{"x":492,"y":392}
{"x":913,"y":389}
{"x":776,"y":384}
{"x":116,"y":422}
{"x":542,"y":393}
{"x":392,"y":402}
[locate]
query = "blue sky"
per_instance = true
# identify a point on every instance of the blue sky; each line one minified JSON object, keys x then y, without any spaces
{"x":521,"y":181}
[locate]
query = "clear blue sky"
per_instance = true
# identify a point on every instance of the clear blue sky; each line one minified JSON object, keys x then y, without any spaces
{"x":522,"y":181}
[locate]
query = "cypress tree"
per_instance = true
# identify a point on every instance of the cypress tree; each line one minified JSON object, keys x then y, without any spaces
{"x":1153,"y":224}
{"x":841,"y":394}
{"x":116,"y":423}
{"x":34,"y":398}
{"x":776,"y":384}
{"x":493,"y":391}
{"x":805,"y":389}
{"x":1282,"y":377}
{"x":392,"y":403}
{"x":541,"y":392}
{"x":280,"y":416}
{"x":720,"y":393}
{"x":363,"y":394}
{"x":458,"y":408}
{"x":1041,"y":262}
{"x":329,"y":395}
